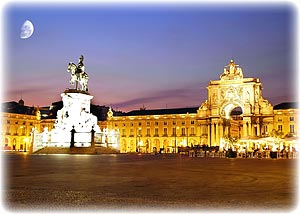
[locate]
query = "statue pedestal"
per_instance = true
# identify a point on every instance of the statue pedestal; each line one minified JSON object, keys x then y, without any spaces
{"x":75,"y":126}
{"x":74,"y":114}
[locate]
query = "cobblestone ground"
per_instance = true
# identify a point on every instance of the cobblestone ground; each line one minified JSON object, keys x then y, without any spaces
{"x":131,"y":182}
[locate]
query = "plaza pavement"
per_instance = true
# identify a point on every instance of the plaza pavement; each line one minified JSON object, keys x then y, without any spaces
{"x":155,"y":183}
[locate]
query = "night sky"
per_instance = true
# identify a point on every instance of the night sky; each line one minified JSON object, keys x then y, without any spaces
{"x":153,"y":55}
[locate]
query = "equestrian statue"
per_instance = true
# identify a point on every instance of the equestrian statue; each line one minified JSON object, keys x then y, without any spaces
{"x":78,"y":75}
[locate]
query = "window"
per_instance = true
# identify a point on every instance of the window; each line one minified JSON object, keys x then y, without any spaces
{"x":148,"y":132}
{"x":183,"y":131}
{"x":131,"y":133}
{"x":148,"y":123}
{"x":192,"y":122}
{"x":279,"y":119}
{"x":265,"y":129}
{"x":165,"y":123}
{"x":23,"y":130}
{"x":204,"y":129}
{"x":123,"y":132}
{"x":124,"y":124}
{"x":280,"y":128}
{"x":183,"y":122}
{"x":291,"y":118}
{"x":165,"y":131}
{"x":140,"y":123}
{"x":139,"y":132}
{"x":156,"y":123}
{"x":174,"y":123}
{"x":131,"y":124}
{"x":7,"y":130}
{"x":156,"y":132}
{"x":292,"y":129}
{"x":8,"y":122}
{"x":192,"y":131}
{"x":174,"y":132}
{"x":116,"y":125}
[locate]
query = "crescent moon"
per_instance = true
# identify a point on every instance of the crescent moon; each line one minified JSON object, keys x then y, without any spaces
{"x":26,"y":30}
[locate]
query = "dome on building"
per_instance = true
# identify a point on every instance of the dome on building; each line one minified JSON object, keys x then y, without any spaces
{"x":21,"y":102}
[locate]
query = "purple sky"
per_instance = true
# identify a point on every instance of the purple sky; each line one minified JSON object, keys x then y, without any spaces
{"x":157,"y":56}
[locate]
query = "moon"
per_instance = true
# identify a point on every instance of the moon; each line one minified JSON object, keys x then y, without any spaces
{"x":26,"y":30}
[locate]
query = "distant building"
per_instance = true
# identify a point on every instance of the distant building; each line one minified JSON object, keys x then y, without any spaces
{"x":286,"y":119}
{"x":167,"y":129}
{"x":18,"y":120}
{"x":235,"y":108}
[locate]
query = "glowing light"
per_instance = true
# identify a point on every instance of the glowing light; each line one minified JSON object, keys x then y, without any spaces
{"x":75,"y":116}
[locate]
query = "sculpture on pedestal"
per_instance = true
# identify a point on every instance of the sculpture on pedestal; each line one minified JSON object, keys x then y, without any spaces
{"x":232,"y":72}
{"x":78,"y":75}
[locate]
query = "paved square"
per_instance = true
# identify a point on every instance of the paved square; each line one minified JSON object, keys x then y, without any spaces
{"x":148,"y":182}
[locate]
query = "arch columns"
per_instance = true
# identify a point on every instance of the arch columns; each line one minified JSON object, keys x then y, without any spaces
{"x":247,"y":126}
{"x":208,"y":134}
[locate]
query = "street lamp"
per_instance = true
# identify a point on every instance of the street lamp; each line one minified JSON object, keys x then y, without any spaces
{"x":137,"y":140}
{"x":187,"y":136}
{"x":175,"y":138}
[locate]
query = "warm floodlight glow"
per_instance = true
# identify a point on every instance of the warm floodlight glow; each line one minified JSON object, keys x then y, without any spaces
{"x":75,"y":119}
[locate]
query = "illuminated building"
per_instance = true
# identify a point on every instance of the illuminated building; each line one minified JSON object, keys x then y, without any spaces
{"x":286,"y":119}
{"x":150,"y":130}
{"x":234,"y":109}
{"x":17,"y":121}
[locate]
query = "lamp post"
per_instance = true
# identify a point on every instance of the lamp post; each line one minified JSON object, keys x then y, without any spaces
{"x":175,"y":138}
{"x":187,"y":136}
{"x":137,"y":139}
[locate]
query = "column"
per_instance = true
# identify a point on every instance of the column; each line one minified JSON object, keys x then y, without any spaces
{"x":221,"y":130}
{"x":258,"y":130}
{"x":244,"y":127}
{"x":208,"y":135}
{"x":213,"y":136}
{"x":249,"y":128}
{"x":217,"y":142}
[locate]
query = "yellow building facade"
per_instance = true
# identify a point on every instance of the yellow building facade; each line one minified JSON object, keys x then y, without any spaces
{"x":286,"y":120}
{"x":168,"y":130}
{"x":154,"y":130}
{"x":16,"y":130}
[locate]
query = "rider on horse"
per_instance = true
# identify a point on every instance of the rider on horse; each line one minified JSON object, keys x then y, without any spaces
{"x":80,"y":66}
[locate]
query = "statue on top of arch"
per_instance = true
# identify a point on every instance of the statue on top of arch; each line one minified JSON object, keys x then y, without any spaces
{"x":232,"y":71}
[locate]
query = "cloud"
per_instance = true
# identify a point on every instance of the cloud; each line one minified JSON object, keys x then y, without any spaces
{"x":191,"y":95}
{"x":33,"y":95}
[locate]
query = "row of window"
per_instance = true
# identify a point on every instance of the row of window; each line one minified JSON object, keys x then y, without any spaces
{"x":292,"y":128}
{"x":291,"y":119}
{"x":156,"y":123}
{"x":16,"y":130}
{"x":18,"y":122}
{"x":165,"y":132}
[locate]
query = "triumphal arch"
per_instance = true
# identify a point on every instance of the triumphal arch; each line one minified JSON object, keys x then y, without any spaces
{"x":231,"y":94}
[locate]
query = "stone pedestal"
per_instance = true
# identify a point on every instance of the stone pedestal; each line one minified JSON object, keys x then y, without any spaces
{"x":75,"y":113}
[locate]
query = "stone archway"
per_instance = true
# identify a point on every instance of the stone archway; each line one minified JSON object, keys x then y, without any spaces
{"x":231,"y":91}
{"x":228,"y":106}
{"x":148,"y":146}
{"x":123,"y":148}
{"x":131,"y":146}
{"x":156,"y":144}
{"x":231,"y":120}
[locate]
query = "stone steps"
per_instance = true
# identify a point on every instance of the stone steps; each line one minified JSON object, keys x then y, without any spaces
{"x":77,"y":150}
